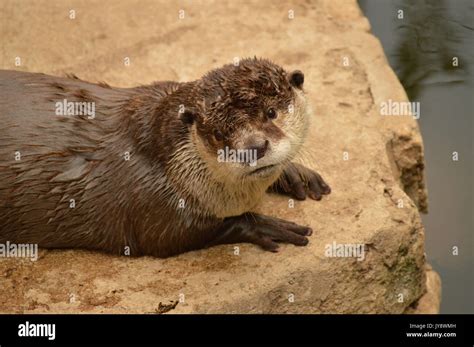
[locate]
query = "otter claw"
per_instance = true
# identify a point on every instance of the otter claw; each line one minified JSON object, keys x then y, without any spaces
{"x":263,"y":231}
{"x":298,"y":181}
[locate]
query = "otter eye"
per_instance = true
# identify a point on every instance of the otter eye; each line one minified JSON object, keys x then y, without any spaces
{"x":271,"y":113}
{"x":218,"y":135}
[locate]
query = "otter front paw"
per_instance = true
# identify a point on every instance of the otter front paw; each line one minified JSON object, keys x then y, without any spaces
{"x":298,"y":181}
{"x":260,"y":230}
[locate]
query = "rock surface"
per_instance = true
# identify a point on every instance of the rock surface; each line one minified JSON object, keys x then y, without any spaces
{"x":383,"y":170}
{"x":430,"y":302}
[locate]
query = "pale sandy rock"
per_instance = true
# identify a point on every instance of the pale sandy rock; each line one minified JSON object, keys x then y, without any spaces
{"x":385,"y":166}
{"x":430,"y":302}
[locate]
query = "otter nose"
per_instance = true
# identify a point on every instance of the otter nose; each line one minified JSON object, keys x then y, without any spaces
{"x":260,"y":148}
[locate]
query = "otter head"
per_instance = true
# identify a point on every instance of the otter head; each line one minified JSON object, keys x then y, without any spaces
{"x":249,"y":120}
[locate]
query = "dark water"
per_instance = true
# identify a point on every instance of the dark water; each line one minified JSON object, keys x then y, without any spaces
{"x":420,"y":48}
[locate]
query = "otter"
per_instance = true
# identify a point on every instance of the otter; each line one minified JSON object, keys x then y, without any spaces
{"x":141,"y":172}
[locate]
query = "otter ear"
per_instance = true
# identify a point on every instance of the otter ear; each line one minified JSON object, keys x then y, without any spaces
{"x":188,"y":117}
{"x":296,"y":79}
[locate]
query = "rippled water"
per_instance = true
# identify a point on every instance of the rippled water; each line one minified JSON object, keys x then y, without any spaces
{"x":420,"y":48}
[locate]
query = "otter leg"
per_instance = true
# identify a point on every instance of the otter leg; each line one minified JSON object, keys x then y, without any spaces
{"x":298,"y":181}
{"x":261,"y":230}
